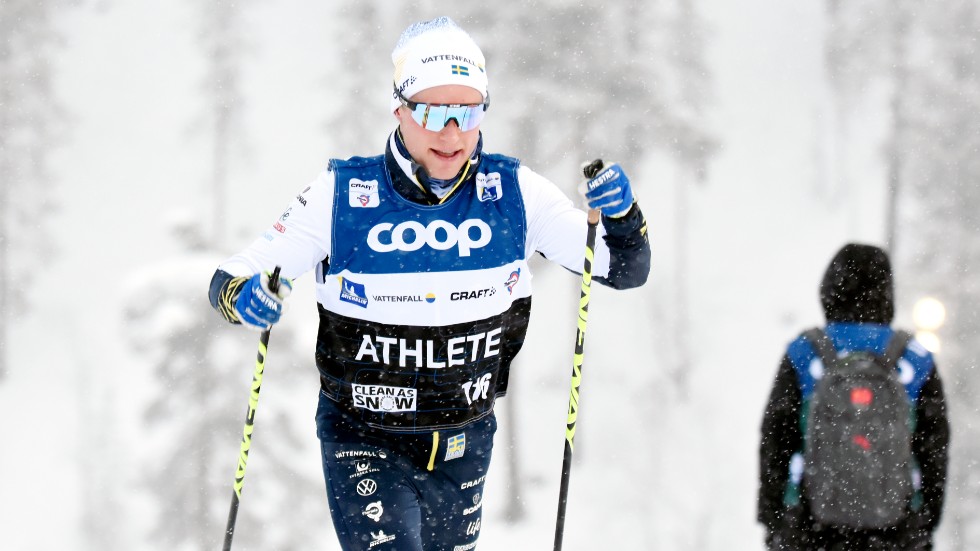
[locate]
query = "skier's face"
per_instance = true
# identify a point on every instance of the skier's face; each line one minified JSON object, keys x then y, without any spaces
{"x":441,"y":153}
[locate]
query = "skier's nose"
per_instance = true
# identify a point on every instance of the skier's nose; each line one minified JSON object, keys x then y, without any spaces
{"x":451,"y":128}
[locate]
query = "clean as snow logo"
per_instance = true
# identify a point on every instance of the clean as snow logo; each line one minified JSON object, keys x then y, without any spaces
{"x":439,"y":235}
{"x":353,"y":292}
{"x":373,"y":511}
{"x":389,"y":399}
{"x":363,"y":195}
{"x":488,"y":186}
{"x":366,"y":487}
{"x":512,"y":281}
{"x":455,"y":446}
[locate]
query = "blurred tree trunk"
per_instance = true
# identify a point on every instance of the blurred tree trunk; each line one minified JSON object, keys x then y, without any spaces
{"x":680,"y":369}
{"x":6,"y":311}
{"x":221,"y":39}
{"x":358,"y":113}
{"x":514,"y":509}
{"x":896,"y":146}
{"x":29,"y":122}
{"x":693,"y":146}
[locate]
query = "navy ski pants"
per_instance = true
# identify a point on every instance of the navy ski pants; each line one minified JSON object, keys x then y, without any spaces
{"x":403,"y":492}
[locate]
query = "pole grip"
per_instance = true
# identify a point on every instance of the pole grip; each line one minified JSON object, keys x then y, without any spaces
{"x":591,"y":170}
{"x":274,"y":280}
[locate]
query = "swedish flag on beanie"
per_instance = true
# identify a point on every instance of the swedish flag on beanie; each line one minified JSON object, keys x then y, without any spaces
{"x":433,"y":53}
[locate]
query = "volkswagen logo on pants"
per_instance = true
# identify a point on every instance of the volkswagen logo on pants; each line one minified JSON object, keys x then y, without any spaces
{"x":366,"y":487}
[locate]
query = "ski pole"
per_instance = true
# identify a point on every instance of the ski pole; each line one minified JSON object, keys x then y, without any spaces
{"x":590,"y":171}
{"x":253,"y":404}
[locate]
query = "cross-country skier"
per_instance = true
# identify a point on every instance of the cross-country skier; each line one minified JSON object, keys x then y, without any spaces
{"x":421,"y":263}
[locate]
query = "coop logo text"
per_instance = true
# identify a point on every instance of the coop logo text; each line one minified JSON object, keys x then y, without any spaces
{"x":440,"y":235}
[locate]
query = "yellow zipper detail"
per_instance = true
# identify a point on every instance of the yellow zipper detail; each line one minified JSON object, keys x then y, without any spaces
{"x":456,"y":185}
{"x":435,"y":447}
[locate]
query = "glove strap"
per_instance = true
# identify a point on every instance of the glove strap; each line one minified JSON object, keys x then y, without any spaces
{"x":228,"y":296}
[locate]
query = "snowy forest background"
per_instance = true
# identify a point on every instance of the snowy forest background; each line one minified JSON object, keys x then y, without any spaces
{"x":142,"y":142}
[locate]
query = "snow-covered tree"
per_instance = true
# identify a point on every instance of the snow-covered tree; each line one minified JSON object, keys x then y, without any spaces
{"x":202,"y":369}
{"x":201,"y":366}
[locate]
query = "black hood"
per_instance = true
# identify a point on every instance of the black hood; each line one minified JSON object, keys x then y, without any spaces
{"x":857,"y":286}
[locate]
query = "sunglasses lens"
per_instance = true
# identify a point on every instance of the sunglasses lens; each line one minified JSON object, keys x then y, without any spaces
{"x":472,"y":117}
{"x":436,"y":117}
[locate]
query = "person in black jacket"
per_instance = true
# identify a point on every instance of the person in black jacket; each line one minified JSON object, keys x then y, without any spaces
{"x":858,"y":301}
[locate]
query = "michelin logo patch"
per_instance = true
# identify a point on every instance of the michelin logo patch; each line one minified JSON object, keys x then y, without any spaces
{"x":363,"y":194}
{"x":488,"y":186}
{"x":455,"y":446}
{"x":353,"y":292}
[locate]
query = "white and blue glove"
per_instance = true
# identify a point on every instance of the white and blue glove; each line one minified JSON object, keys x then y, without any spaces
{"x":609,"y":192}
{"x":258,"y":306}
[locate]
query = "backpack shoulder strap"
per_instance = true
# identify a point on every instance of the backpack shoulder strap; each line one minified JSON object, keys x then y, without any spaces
{"x":896,"y":347}
{"x":822,"y":344}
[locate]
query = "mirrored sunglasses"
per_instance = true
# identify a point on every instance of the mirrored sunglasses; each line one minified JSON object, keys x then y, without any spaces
{"x":435,"y":117}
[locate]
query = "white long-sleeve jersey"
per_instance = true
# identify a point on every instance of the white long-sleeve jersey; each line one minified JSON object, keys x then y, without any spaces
{"x":422,"y":307}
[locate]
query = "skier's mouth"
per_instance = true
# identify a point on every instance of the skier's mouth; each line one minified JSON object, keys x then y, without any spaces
{"x":446,"y":154}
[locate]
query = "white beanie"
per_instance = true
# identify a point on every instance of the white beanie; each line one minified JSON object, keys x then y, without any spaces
{"x":433,"y":53}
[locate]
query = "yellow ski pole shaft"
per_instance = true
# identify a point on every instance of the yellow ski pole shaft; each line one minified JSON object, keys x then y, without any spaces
{"x":253,"y":404}
{"x":590,"y":171}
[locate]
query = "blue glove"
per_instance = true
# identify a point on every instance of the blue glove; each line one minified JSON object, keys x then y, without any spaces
{"x":610,"y":192}
{"x":257,"y":306}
